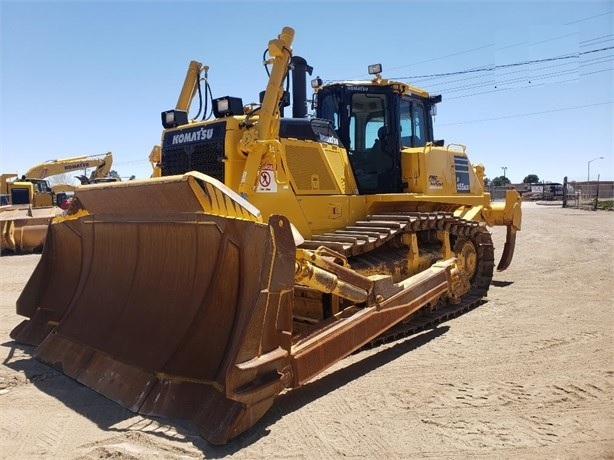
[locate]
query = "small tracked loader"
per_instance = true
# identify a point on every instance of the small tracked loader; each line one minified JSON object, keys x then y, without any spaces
{"x":263,"y":249}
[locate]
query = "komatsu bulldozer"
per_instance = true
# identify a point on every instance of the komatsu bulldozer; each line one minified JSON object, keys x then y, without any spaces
{"x":264,"y":250}
{"x":29,"y":203}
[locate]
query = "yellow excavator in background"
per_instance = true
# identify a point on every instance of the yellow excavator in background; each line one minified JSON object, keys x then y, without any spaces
{"x":264,"y":249}
{"x":101,"y":165}
{"x":29,"y":203}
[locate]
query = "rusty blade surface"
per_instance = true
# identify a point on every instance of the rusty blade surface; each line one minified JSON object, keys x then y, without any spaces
{"x":183,"y":314}
{"x":52,"y":285}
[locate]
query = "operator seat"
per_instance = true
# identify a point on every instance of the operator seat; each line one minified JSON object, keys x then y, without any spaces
{"x":380,"y":149}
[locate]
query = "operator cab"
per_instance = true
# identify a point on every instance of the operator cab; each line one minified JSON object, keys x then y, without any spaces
{"x":40,"y":185}
{"x":375,"y":121}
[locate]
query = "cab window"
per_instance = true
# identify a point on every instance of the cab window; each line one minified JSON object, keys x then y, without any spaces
{"x":412,"y":123}
{"x":368,"y":114}
{"x":330,"y":109}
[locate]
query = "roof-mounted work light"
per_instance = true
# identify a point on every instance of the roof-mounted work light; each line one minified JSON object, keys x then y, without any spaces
{"x":375,"y":69}
{"x":316,"y":83}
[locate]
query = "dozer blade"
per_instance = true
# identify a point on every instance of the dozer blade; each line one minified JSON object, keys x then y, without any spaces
{"x":169,"y":297}
{"x":23,"y":228}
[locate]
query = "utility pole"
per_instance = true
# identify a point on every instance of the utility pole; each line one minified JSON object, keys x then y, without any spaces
{"x":588,"y":177}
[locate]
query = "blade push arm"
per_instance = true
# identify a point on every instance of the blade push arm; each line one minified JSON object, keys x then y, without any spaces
{"x":265,"y":131}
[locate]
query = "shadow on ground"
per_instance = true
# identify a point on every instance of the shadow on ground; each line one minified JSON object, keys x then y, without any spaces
{"x":501,"y":283}
{"x":107,"y":415}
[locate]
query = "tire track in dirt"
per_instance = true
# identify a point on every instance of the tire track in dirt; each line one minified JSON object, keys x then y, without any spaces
{"x":50,"y":432}
{"x":531,"y":415}
{"x":541,"y":345}
{"x":594,"y":388}
{"x":32,"y":434}
{"x":136,"y":444}
{"x":317,"y":421}
{"x":28,"y":431}
{"x":472,"y":429}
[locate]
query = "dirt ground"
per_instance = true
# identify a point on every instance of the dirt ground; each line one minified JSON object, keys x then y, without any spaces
{"x":529,"y":374}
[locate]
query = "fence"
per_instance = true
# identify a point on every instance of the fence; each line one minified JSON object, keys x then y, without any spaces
{"x":580,"y":194}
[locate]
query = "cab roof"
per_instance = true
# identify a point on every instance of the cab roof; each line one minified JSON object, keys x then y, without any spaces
{"x":397,"y":86}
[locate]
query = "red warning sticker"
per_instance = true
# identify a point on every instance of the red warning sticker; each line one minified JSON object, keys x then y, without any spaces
{"x":266,"y":179}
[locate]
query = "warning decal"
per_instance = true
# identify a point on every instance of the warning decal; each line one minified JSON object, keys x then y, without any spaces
{"x":266,"y":179}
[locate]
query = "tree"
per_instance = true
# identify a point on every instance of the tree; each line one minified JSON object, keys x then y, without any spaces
{"x":64,"y":178}
{"x":500,"y":181}
{"x":487,"y":182}
{"x":531,"y":179}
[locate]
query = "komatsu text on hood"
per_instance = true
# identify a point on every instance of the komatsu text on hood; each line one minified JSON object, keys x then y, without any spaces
{"x":191,"y":135}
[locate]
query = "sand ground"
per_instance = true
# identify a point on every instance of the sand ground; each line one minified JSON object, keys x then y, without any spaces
{"x":529,"y":374}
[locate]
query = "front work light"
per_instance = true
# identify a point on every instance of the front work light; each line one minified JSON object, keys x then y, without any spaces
{"x":227,"y":106}
{"x":172,"y":118}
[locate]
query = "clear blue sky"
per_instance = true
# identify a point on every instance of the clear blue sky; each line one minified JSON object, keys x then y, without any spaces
{"x":84,"y":78}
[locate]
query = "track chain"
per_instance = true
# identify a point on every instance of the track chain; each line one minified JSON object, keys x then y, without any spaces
{"x":377,"y":230}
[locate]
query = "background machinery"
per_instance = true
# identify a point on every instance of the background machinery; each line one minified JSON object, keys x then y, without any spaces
{"x":263,"y":250}
{"x":29,"y":203}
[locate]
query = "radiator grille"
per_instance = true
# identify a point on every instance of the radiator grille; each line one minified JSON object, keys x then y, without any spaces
{"x":205,"y":157}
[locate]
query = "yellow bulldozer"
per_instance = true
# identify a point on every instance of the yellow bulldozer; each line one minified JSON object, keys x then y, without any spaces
{"x":29,"y":203}
{"x":264,"y":249}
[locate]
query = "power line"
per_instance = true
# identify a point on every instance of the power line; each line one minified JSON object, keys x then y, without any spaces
{"x":528,"y":114}
{"x":596,"y":38}
{"x":473,"y":77}
{"x":503,"y":66}
{"x":525,"y":87}
{"x":442,"y":57}
{"x":529,"y":74}
{"x":424,"y":62}
{"x":534,"y":76}
{"x":478,"y":72}
{"x":482,"y":68}
{"x":590,"y":17}
{"x":606,"y":40}
{"x":552,"y":39}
